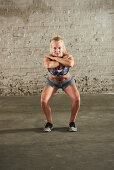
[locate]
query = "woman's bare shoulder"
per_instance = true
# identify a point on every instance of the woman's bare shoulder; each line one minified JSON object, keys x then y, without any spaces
{"x":68,"y":56}
{"x":46,"y":57}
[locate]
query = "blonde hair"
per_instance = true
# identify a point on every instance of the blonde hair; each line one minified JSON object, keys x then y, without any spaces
{"x":57,"y":38}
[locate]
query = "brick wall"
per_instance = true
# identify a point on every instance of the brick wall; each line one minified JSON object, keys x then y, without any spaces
{"x":26,"y":27}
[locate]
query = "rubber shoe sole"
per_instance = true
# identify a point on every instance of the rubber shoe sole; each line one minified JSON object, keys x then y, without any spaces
{"x":47,"y":129}
{"x":72,"y":129}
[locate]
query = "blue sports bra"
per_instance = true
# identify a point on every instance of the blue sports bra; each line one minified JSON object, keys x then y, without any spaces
{"x":55,"y":72}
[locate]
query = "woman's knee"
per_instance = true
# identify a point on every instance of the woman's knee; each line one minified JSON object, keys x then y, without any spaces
{"x":47,"y":93}
{"x":76,"y":99}
{"x":44,"y":101}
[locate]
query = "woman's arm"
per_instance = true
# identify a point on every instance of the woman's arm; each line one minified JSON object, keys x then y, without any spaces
{"x":67,"y":60}
{"x":50,"y":64}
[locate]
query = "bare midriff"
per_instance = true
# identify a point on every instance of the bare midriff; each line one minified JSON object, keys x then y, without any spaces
{"x":59,"y":78}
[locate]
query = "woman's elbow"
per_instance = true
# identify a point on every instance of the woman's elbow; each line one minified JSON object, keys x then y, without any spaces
{"x":71,"y":64}
{"x":46,"y":66}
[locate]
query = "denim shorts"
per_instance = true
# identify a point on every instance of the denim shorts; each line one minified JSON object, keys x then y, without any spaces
{"x":60,"y":84}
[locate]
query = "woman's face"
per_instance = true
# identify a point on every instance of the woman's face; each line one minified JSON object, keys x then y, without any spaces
{"x":57,"y":48}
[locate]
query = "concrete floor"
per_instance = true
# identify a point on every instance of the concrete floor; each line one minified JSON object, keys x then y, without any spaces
{"x":24,"y":145}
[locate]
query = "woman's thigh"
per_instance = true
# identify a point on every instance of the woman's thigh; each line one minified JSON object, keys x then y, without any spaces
{"x":47,"y":93}
{"x":72,"y":92}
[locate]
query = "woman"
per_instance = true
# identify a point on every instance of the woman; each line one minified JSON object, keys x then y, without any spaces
{"x":58,"y":63}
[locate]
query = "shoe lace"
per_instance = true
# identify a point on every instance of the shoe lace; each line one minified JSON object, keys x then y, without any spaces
{"x":48,"y":125}
{"x":72,"y":124}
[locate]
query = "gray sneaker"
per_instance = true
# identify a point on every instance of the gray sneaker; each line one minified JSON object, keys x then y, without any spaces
{"x":72,"y":127}
{"x":48,"y":127}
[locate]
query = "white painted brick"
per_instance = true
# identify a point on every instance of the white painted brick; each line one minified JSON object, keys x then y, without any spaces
{"x":26,"y":28}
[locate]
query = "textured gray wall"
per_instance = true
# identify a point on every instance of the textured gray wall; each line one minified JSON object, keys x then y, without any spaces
{"x":26,"y":27}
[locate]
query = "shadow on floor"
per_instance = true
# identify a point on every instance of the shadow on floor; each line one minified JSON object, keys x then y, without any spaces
{"x":37,"y":130}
